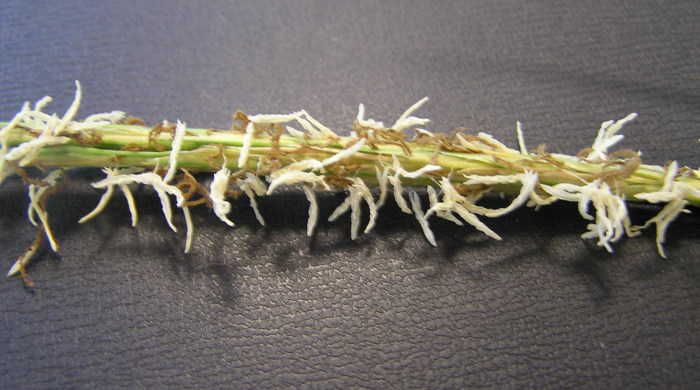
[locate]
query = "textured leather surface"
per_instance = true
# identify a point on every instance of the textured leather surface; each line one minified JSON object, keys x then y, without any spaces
{"x":255,"y":307}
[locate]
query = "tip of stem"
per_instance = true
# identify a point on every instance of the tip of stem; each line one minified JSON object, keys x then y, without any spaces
{"x":14,"y":270}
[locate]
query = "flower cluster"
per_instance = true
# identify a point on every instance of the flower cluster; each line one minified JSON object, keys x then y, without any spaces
{"x":269,"y":153}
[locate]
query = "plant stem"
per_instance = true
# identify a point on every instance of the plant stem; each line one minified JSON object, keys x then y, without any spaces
{"x":203,"y":150}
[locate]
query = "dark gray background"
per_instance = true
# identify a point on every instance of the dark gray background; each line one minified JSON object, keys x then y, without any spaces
{"x":267,"y":307}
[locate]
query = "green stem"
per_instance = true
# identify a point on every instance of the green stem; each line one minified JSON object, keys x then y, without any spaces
{"x":203,"y":150}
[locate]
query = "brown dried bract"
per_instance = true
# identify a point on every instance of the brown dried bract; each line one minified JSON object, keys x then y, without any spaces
{"x":87,"y":138}
{"x":381,"y":137}
{"x":504,"y":163}
{"x":623,"y":154}
{"x":268,"y":165}
{"x":626,"y":169}
{"x":211,"y":160}
{"x":133,"y":121}
{"x":275,"y":131}
{"x":471,"y":189}
{"x":132,"y":147}
{"x":156,"y":131}
{"x":190,"y":187}
{"x":339,"y":176}
{"x":584,"y":152}
{"x":26,"y":179}
{"x":240,"y":121}
{"x":231,"y":193}
{"x":440,"y":142}
{"x":340,"y":183}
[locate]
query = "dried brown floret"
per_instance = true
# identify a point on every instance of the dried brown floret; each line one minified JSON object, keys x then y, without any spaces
{"x":132,"y":147}
{"x":133,"y":121}
{"x":156,"y":132}
{"x":212,"y":160}
{"x":584,"y":152}
{"x":275,"y":131}
{"x":26,"y":179}
{"x":87,"y":138}
{"x":240,"y":121}
{"x":376,"y":137}
{"x":235,"y":194}
{"x":625,"y":170}
{"x":475,"y":189}
{"x":623,"y":154}
{"x":340,"y":183}
{"x":190,"y":187}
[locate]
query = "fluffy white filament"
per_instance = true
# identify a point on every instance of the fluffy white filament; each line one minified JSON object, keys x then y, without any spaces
{"x":528,"y":182}
{"x":5,"y":169}
{"x":310,"y":129}
{"x":433,"y":199}
{"x":358,"y":192}
{"x":383,"y":181}
{"x":396,"y":184}
{"x":252,"y":186}
{"x":107,"y":196}
{"x":190,"y":228}
{"x":217,"y":191}
{"x":611,"y":220}
{"x":368,"y":123}
{"x":323,"y":129}
{"x":452,"y":201}
{"x":521,"y":139}
{"x":673,"y":193}
{"x":130,"y":202}
{"x":406,"y":120}
{"x":163,"y":190}
{"x":104,"y":200}
{"x":53,"y":133}
{"x":245,"y":148}
{"x":152,"y":179}
{"x":343,"y":154}
{"x":174,"y":150}
{"x":295,"y":133}
{"x":420,"y":216}
{"x":294,"y":177}
{"x":398,"y":193}
{"x":72,"y":110}
{"x":313,"y":209}
{"x":607,"y":137}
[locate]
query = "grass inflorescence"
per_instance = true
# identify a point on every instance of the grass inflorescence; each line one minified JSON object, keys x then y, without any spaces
{"x":261,"y":153}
